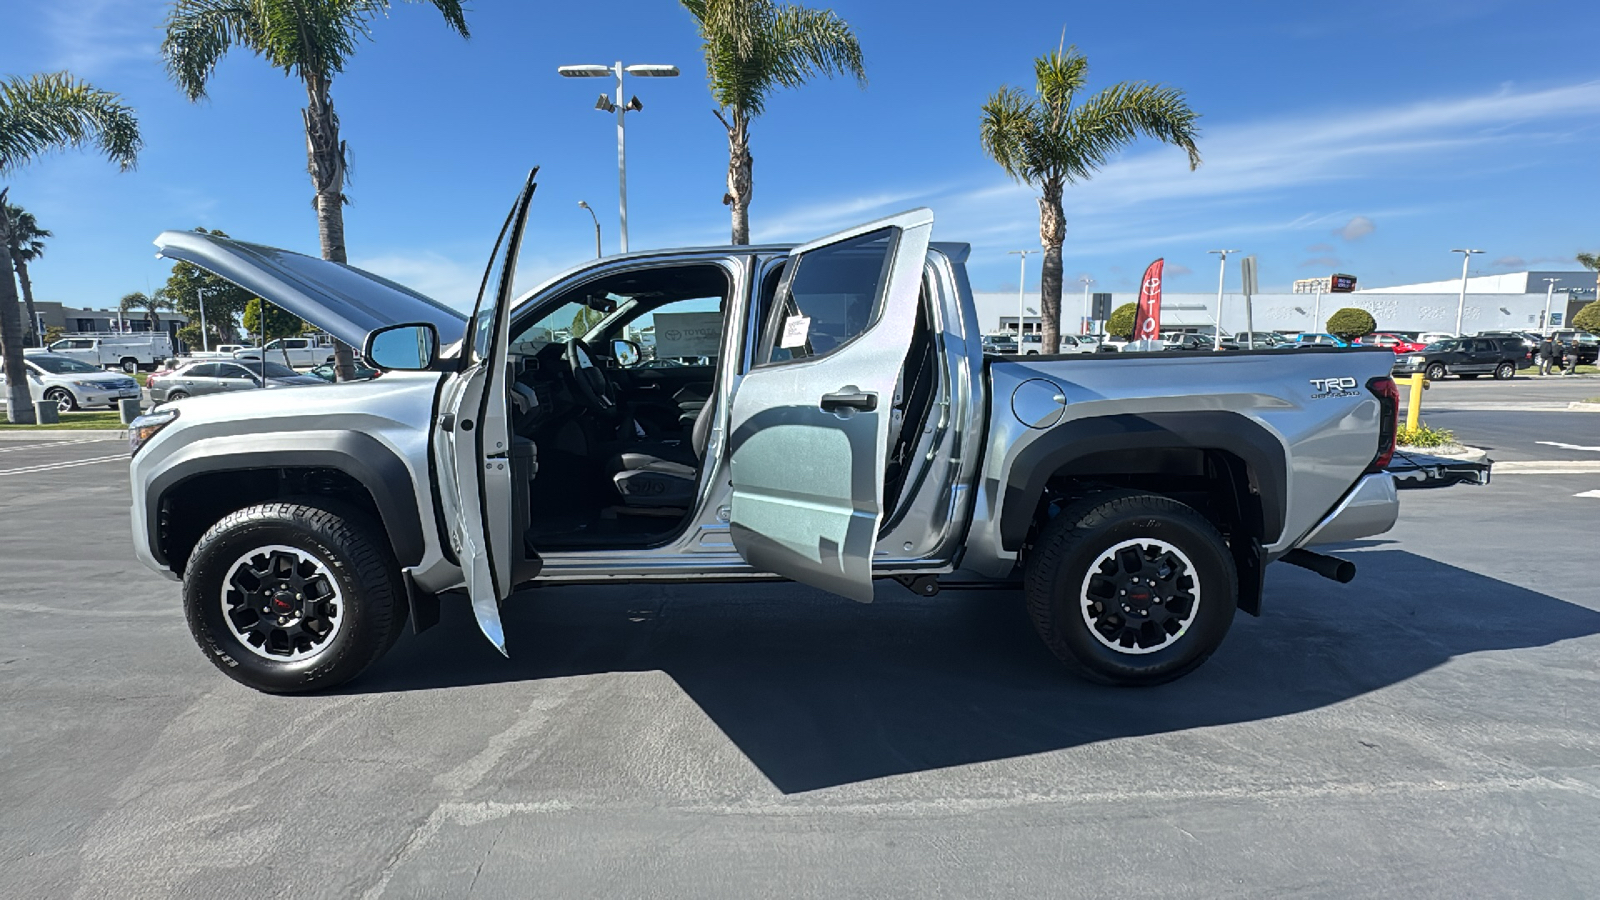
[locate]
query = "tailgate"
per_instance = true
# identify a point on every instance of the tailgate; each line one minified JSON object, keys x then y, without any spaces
{"x":1413,"y":470}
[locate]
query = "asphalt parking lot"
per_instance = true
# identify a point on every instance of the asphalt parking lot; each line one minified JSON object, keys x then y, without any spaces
{"x":1432,"y":730}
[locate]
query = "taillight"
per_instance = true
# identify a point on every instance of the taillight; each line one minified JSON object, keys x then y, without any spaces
{"x":1388,"y":394}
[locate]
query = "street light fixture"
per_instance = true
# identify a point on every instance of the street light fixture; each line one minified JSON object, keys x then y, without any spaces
{"x":583,"y":205}
{"x":618,"y":106}
{"x":1461,"y":305}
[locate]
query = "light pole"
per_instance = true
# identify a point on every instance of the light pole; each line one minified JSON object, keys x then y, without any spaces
{"x":583,"y":205}
{"x":1222,"y":271}
{"x":1316,"y":309}
{"x":1461,"y":306}
{"x":1083,"y":327}
{"x":200,"y":301}
{"x":607,"y":104}
{"x":1549,"y":292}
{"x":1022,"y":280}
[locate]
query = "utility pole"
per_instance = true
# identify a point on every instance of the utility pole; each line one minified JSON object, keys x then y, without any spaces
{"x":618,"y":106}
{"x":1022,"y":280}
{"x":1083,"y":327}
{"x":1222,"y":271}
{"x":1461,"y":306}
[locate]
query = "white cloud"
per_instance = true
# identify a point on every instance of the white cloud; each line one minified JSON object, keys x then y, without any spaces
{"x":433,"y":274}
{"x":1356,"y":229}
{"x":92,"y":37}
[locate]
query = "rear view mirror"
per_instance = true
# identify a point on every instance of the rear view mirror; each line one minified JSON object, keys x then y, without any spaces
{"x":411,"y":347}
{"x":626,"y":353}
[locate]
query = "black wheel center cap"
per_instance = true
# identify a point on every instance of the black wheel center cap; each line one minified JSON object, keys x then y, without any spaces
{"x":283,"y":602}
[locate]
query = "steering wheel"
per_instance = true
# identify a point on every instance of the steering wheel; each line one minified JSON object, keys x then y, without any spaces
{"x":589,"y":381}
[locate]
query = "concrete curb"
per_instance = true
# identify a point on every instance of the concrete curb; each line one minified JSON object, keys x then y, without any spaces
{"x":56,"y":434}
{"x":1453,"y":451}
{"x":1583,"y":406}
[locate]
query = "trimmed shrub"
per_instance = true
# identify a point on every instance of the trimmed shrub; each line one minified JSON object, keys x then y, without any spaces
{"x":1121,"y":323}
{"x":1588,"y":318}
{"x":1350,"y":323}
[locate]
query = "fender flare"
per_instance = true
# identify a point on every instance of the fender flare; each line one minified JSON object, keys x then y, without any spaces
{"x":1075,"y":439}
{"x":360,"y":456}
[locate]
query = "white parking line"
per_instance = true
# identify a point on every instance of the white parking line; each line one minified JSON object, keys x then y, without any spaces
{"x":1567,"y":446}
{"x":47,"y":444}
{"x":50,"y":467}
{"x":1548,"y":467}
{"x":1594,"y":494}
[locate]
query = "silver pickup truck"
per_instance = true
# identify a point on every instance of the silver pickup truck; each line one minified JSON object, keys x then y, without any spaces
{"x":821,"y":413}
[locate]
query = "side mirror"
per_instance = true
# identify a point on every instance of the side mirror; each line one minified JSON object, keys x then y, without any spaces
{"x":408,"y":348}
{"x":626,"y":353}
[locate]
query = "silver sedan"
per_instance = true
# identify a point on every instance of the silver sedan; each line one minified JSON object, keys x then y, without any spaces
{"x":215,"y":377}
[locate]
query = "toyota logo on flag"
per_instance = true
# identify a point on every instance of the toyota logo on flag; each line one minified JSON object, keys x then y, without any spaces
{"x":1147,"y":322}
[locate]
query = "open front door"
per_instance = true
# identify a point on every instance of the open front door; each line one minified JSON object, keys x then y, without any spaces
{"x":810,"y":422}
{"x":474,"y":439}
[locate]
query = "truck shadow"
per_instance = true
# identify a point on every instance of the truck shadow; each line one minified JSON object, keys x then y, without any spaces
{"x":818,"y":691}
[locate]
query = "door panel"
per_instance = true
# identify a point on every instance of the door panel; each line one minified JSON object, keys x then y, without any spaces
{"x":474,"y":437}
{"x":810,"y":422}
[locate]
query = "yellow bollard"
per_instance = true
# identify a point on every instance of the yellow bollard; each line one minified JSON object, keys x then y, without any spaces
{"x":1414,"y":404}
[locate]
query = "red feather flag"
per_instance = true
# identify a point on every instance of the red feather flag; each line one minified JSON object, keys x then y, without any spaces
{"x":1147,"y":324}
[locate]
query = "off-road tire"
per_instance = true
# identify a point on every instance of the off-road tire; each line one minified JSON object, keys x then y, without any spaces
{"x":359,"y":562}
{"x":1057,"y":577}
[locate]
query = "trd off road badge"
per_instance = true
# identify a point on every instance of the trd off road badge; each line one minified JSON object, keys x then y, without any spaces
{"x":1334,"y":387}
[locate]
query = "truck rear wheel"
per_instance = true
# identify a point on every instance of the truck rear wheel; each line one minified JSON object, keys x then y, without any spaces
{"x":1131,"y":589}
{"x":287,"y":598}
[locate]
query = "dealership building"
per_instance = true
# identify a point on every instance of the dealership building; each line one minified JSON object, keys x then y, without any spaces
{"x":1514,"y":301}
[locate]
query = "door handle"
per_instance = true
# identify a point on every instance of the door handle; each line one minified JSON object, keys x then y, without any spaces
{"x":850,"y":399}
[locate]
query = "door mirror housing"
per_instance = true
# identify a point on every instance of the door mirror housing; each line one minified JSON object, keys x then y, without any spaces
{"x":626,"y":353}
{"x":407,"y":348}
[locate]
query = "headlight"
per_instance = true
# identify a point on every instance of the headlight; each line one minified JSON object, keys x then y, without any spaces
{"x":90,"y":385}
{"x":1417,"y":360}
{"x":142,"y":429}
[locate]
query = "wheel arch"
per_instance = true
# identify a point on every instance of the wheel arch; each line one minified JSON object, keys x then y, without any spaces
{"x":196,"y":491}
{"x":1231,"y":468}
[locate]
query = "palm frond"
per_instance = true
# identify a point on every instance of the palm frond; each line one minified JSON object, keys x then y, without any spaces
{"x":55,"y":111}
{"x":199,"y":33}
{"x":1107,"y":122}
{"x":810,"y":42}
{"x":1587,"y":260}
{"x":27,"y":238}
{"x":1007,"y":125}
{"x":753,"y":46}
{"x":1059,"y":76}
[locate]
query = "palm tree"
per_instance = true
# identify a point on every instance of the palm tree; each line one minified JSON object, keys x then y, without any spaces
{"x":1047,"y":142}
{"x":753,"y":47}
{"x":153,"y":305}
{"x":39,"y":114}
{"x":1591,"y":261}
{"x":311,"y":41}
{"x":26,"y":244}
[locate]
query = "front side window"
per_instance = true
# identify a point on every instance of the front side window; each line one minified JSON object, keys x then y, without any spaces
{"x":204,"y":370}
{"x":830,"y":296}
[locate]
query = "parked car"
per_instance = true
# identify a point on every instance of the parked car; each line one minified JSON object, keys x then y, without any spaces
{"x":1030,"y":344}
{"x":128,"y":352}
{"x":1194,"y":341}
{"x":206,"y":376}
{"x":1529,"y":342}
{"x":999,"y":343}
{"x":1258,"y":340}
{"x":71,"y":383}
{"x":1078,"y":343}
{"x":300,"y":352}
{"x":1466,"y":357}
{"x":1433,"y":337}
{"x":1319,"y":339}
{"x":1137,"y":511}
{"x":325,"y":371}
{"x":1397,"y":342}
{"x":1588,"y":344}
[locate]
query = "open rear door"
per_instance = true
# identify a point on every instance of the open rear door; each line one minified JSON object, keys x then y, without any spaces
{"x":474,"y":437}
{"x":810,"y":422}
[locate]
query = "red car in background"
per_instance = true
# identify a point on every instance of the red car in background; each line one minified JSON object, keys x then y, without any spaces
{"x":1399,"y":343}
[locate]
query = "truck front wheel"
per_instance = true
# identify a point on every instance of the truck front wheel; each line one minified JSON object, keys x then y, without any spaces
{"x":1131,"y":589}
{"x":130,"y":365}
{"x":287,"y":598}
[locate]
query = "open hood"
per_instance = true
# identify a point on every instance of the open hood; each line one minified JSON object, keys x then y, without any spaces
{"x":342,"y":300}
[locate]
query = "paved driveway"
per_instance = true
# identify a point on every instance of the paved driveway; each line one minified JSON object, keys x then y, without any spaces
{"x":1431,"y":730}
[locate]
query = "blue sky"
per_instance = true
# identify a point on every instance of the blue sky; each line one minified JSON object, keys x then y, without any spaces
{"x":1366,"y":137}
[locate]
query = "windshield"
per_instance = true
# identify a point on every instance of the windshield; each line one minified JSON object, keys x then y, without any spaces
{"x":62,"y":365}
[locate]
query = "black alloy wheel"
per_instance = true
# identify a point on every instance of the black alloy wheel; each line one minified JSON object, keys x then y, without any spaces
{"x":287,"y":598}
{"x":1130,"y":589}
